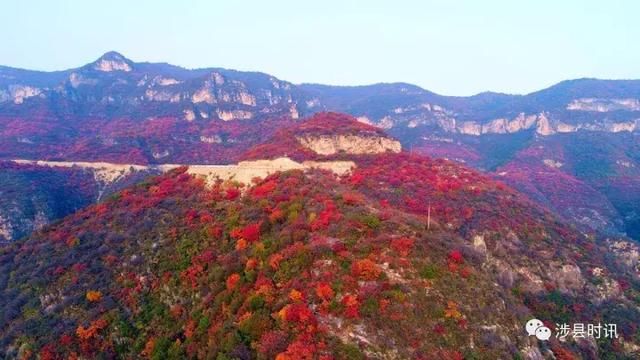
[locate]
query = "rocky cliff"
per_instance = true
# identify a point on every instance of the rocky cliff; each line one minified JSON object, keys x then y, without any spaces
{"x":349,"y":144}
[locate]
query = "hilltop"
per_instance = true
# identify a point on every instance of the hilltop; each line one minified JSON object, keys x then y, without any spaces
{"x":404,"y":256}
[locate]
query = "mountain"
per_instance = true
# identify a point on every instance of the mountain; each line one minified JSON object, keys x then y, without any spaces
{"x":325,"y":135}
{"x":402,"y":256}
{"x":127,"y":112}
{"x":113,"y":104}
{"x":590,"y":178}
{"x":117,"y":109}
{"x":120,"y":111}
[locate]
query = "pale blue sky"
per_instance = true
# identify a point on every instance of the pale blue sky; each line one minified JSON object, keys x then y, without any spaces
{"x":447,"y":46}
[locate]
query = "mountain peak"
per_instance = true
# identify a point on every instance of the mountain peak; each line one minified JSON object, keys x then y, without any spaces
{"x":112,"y":55}
{"x":112,"y":61}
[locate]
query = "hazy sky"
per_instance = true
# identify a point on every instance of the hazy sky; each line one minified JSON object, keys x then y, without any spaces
{"x":450,"y":47}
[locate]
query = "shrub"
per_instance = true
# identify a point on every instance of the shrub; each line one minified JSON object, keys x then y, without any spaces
{"x":402,"y":245}
{"x":324,"y":291}
{"x":232,"y":281}
{"x":366,"y":269}
{"x":93,"y":295}
{"x":455,"y":256}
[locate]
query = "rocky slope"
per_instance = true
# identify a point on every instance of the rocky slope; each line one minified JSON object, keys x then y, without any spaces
{"x":350,"y":144}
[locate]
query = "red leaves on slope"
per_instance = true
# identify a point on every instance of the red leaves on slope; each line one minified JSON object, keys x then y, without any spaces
{"x":297,"y":313}
{"x":366,"y":269}
{"x":250,"y":233}
{"x":330,"y":213}
{"x":232,"y":281}
{"x":264,"y":189}
{"x":456,"y":257}
{"x":91,"y":331}
{"x":403,"y":245}
{"x":324,"y":291}
{"x":351,"y":306}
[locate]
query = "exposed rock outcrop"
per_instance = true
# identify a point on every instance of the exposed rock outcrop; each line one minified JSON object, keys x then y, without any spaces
{"x":108,"y":65}
{"x":350,"y":144}
{"x":542,"y":124}
{"x":245,"y":171}
{"x":108,"y":173}
{"x":604,"y":105}
{"x":21,"y":92}
{"x":234,"y":115}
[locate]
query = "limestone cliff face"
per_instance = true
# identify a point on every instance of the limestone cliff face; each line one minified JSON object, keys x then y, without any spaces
{"x":604,"y":105}
{"x":507,"y":126}
{"x":545,"y":122}
{"x":21,"y":92}
{"x":350,"y":144}
{"x":542,"y":123}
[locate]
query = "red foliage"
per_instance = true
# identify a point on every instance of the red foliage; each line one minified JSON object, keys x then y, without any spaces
{"x":232,"y":193}
{"x":214,"y":231}
{"x":402,"y":245}
{"x":561,"y":353}
{"x":65,"y":340}
{"x":274,"y":260}
{"x":456,"y":257}
{"x":356,"y":178}
{"x":324,"y":291}
{"x":87,"y":333}
{"x":439,"y":329}
{"x":198,"y":265}
{"x":330,"y":213}
{"x":297,"y":313}
{"x":276,"y":215}
{"x":351,"y":306}
{"x":48,"y":352}
{"x":264,"y":189}
{"x":79,"y":267}
{"x":366,"y":269}
{"x":232,"y":281}
{"x":352,"y":198}
{"x":298,"y":350}
{"x":250,"y":233}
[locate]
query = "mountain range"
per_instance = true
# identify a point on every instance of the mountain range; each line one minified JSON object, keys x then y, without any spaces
{"x":152,"y":211}
{"x":579,"y":132}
